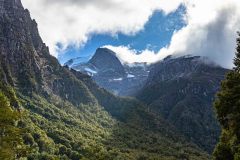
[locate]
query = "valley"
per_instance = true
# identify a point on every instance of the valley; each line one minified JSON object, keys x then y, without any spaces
{"x":99,"y":107}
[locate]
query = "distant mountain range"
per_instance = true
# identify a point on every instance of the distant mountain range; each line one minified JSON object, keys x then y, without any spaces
{"x":180,"y":89}
{"x":108,"y":72}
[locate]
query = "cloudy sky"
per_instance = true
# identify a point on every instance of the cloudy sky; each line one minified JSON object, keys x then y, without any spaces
{"x":139,"y":31}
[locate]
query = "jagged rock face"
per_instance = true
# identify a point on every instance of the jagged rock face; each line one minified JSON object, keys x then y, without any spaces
{"x":18,"y":40}
{"x":25,"y":60}
{"x":182,"y":90}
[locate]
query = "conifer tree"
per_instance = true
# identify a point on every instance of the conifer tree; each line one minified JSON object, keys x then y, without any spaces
{"x":237,"y":58}
{"x":227,"y":107}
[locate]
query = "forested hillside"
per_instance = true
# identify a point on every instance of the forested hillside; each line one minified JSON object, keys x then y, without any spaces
{"x":58,"y":113}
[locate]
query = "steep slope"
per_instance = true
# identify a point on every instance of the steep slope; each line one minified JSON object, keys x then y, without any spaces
{"x":65,"y":114}
{"x":182,"y":90}
{"x":108,"y":72}
{"x":26,"y":61}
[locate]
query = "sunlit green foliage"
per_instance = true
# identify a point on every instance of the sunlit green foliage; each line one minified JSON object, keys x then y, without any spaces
{"x":60,"y":130}
{"x":11,"y":143}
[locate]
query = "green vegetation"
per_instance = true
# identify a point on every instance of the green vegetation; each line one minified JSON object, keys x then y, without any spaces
{"x":11,"y":142}
{"x":62,"y":114}
{"x":60,"y":130}
{"x":228,"y":110}
{"x":67,"y":116}
{"x":56,"y":129}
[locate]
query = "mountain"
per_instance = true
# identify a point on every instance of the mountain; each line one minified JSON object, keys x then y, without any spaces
{"x":106,"y":62}
{"x":108,"y":72}
{"x":64,"y":114}
{"x":182,"y":90}
{"x":103,"y":63}
{"x":76,"y":61}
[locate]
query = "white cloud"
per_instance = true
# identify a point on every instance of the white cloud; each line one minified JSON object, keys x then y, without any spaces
{"x":73,"y":21}
{"x":128,"y":55}
{"x":210,"y":31}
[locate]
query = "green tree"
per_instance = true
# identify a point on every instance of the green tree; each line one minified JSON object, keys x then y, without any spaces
{"x":10,"y":136}
{"x":227,"y":107}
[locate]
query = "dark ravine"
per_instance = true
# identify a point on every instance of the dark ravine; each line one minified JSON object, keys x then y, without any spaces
{"x":182,"y":90}
{"x":66,"y":115}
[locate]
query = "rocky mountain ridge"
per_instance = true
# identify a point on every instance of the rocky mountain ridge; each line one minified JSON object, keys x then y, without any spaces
{"x":108,"y":72}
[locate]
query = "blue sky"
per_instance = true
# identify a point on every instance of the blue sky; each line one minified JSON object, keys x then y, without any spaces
{"x":156,"y":34}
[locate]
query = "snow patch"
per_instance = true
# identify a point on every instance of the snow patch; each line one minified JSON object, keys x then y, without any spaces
{"x":90,"y":70}
{"x":77,"y":61}
{"x":118,"y":79}
{"x":130,"y":76}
